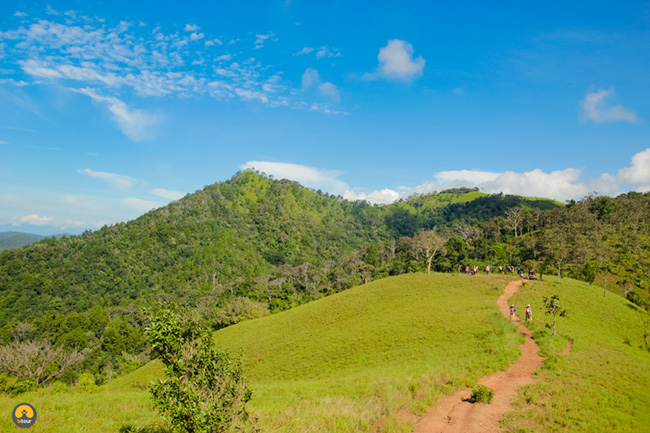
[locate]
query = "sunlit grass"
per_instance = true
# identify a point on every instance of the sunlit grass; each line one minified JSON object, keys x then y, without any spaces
{"x":344,"y":363}
{"x":602,"y":385}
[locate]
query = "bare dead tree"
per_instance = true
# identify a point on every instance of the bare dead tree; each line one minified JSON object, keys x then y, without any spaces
{"x":37,"y":360}
{"x":515,"y":219}
{"x":428,"y":243}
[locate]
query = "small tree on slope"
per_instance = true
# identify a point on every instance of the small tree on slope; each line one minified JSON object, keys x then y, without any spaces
{"x":204,"y":391}
{"x":552,"y":306}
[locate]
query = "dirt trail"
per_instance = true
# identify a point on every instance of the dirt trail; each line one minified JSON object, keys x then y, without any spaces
{"x":454,"y":414}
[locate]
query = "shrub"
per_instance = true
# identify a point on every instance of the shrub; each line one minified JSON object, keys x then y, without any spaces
{"x":482,"y":394}
{"x":204,"y":391}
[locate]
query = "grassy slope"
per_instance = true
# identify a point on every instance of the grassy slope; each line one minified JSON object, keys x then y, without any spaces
{"x":602,"y":385}
{"x":344,"y":363}
{"x":351,"y":361}
{"x":357,"y":353}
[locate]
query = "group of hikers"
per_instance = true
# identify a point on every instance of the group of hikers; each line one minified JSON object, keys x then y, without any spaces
{"x":528,"y":313}
{"x":474,"y":269}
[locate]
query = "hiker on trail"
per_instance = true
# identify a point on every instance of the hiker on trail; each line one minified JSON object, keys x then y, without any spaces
{"x":488,"y":268}
{"x":513,"y":312}
{"x":529,"y":313}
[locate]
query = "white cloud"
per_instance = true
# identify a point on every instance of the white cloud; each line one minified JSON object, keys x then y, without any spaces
{"x":212,"y":42}
{"x":635,"y":177}
{"x":471,"y":176}
{"x":34,"y":220}
{"x":308,"y":176}
{"x":141,"y":205}
{"x":594,"y":108}
{"x":116,"y":180}
{"x":385,"y":196}
{"x":151,"y":63}
{"x":326,"y":52}
{"x":135,"y":124}
{"x":311,"y":78}
{"x":559,"y":185}
{"x":396,"y":62}
{"x":260,"y":39}
{"x":164,"y":193}
{"x":305,"y":50}
{"x":20,"y":14}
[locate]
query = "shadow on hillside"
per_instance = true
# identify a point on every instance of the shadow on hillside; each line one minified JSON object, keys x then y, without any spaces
{"x":153,"y":428}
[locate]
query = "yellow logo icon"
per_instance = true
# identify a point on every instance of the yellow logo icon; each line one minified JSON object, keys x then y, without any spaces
{"x":24,"y":415}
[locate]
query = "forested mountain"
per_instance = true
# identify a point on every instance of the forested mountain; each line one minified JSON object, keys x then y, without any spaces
{"x":10,"y":240}
{"x":253,"y":245}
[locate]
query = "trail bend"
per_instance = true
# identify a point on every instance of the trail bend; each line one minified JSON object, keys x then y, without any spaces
{"x":455,"y":414}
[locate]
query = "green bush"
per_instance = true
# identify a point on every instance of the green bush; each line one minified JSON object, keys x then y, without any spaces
{"x":204,"y":391}
{"x":482,"y":394}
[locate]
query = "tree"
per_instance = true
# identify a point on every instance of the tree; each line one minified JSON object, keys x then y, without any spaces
{"x":515,"y":219}
{"x":37,"y":360}
{"x":552,"y":306}
{"x":428,"y":243}
{"x":204,"y":391}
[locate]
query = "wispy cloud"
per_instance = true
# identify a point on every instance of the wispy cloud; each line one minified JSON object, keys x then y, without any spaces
{"x":141,"y":205}
{"x":135,"y":124}
{"x":43,"y":221}
{"x":261,"y":38}
{"x":327,"y":52}
{"x":594,"y":108}
{"x":396,"y":62}
{"x":164,"y":193}
{"x":80,"y":53}
{"x":116,"y":180}
{"x":305,"y":50}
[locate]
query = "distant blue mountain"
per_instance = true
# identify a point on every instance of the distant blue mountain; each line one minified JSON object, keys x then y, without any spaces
{"x":11,"y":240}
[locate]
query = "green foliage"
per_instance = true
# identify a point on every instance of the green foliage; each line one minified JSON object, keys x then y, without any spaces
{"x":482,"y":394}
{"x":204,"y":391}
{"x":553,"y":307}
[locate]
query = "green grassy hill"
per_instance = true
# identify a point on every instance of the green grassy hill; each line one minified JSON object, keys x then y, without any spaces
{"x":352,"y":361}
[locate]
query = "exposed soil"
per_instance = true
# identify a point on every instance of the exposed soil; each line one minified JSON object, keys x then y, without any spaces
{"x":567,"y":350}
{"x":454,"y":413}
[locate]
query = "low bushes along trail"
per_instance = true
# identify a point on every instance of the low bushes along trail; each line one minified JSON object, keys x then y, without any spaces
{"x":454,"y":413}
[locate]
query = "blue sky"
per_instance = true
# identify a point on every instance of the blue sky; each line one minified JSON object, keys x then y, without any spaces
{"x":110,"y":109}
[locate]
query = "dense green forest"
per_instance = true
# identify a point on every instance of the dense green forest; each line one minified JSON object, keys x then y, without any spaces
{"x":253,"y":245}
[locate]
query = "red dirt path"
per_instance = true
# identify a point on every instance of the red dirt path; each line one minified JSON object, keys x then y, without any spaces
{"x":454,"y":414}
